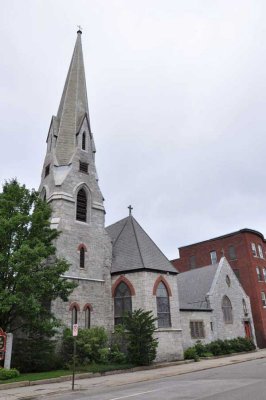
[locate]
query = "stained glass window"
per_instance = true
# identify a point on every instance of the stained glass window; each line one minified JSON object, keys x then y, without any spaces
{"x":122,"y":302}
{"x":163,"y":307}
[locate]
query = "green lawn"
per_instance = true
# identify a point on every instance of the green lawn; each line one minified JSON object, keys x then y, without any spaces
{"x":55,"y":374}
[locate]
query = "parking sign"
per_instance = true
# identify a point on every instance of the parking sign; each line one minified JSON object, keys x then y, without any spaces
{"x":75,"y":329}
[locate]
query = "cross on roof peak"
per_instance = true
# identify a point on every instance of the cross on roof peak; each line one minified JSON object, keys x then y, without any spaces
{"x":130,"y":209}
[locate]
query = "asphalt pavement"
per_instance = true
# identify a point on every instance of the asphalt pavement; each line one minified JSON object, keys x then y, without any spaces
{"x":235,"y":377}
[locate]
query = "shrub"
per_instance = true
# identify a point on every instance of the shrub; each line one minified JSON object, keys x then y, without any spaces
{"x":117,"y":357}
{"x":191,"y":354}
{"x":104,"y":355}
{"x":200,"y":348}
{"x":219,"y":347}
{"x":140,"y":327}
{"x":90,"y":343}
{"x":242,"y":344}
{"x":8,"y":373}
{"x":119,"y":340}
{"x":35,"y":354}
{"x":207,"y":354}
{"x":215,"y":348}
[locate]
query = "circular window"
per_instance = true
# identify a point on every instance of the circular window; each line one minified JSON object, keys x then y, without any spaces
{"x":228,"y":281}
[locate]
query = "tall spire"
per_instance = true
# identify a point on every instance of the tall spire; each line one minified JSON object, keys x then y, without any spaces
{"x":73,"y":105}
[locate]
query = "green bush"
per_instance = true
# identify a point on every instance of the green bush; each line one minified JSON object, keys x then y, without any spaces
{"x":200,"y":348}
{"x":116,"y":356}
{"x":35,"y":354}
{"x":104,"y":355}
{"x":215,"y":348}
{"x":242,"y":344}
{"x":191,"y":354}
{"x":89,"y":344}
{"x":8,"y":373}
{"x":207,"y":354}
{"x":142,"y":346}
{"x":219,"y":347}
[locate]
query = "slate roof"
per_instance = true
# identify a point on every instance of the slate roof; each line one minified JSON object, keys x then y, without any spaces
{"x":134,"y":250}
{"x":193,"y":286}
{"x":73,"y":105}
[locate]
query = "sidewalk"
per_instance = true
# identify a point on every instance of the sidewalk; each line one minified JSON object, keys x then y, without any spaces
{"x":43,"y":390}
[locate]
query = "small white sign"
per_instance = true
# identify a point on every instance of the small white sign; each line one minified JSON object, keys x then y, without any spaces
{"x":75,"y":329}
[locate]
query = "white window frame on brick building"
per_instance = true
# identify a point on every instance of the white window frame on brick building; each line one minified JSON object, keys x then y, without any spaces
{"x":232,"y":252}
{"x":263,"y":299}
{"x":264,"y":274}
{"x":258,"y":271}
{"x":260,"y":251}
{"x":213,"y":256}
{"x":254,"y":250}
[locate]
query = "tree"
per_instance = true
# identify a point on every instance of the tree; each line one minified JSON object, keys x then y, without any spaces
{"x":140,"y":327}
{"x":30,"y":273}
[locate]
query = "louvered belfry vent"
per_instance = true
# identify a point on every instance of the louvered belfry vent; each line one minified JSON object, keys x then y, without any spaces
{"x":83,"y":166}
{"x":81,"y":206}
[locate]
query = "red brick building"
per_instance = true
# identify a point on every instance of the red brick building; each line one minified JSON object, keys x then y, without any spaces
{"x":246,"y":252}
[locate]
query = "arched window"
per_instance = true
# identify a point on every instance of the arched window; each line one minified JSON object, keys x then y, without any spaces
{"x":83,"y":141}
{"x":82,"y":258}
{"x":74,"y":316}
{"x":81,"y":214}
{"x":122,"y":300}
{"x":227,"y":310}
{"x":163,"y":306}
{"x":244,"y":307}
{"x":87,"y":317}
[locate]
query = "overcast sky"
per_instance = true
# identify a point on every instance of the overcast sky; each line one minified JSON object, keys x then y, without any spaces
{"x":177,"y":98}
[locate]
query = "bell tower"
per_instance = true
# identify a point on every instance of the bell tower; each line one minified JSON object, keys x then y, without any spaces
{"x":69,"y":183}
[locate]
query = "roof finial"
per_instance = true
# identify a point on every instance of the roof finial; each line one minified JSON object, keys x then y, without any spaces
{"x":130,"y":210}
{"x":222,"y":251}
{"x":80,"y":29}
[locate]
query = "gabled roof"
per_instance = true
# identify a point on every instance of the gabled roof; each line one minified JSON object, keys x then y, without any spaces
{"x":134,"y":250}
{"x":193,"y":287}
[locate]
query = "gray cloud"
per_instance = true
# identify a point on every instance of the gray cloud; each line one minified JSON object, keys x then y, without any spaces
{"x":177,"y":97}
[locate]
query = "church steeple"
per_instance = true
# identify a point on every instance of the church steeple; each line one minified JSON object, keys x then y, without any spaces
{"x":73,"y":106}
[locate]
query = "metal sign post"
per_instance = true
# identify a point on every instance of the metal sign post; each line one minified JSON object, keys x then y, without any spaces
{"x":75,"y":334}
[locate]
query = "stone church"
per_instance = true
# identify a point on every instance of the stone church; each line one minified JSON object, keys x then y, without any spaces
{"x":118,"y":268}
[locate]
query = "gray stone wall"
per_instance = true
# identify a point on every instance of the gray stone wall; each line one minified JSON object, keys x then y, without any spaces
{"x":205,"y":317}
{"x":220,"y":329}
{"x":170,"y":339}
{"x":62,"y":185}
{"x":236,"y":294}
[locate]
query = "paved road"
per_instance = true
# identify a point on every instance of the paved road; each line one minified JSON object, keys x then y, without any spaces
{"x":245,"y":381}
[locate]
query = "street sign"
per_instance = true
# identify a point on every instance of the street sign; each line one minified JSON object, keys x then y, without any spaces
{"x":75,"y":329}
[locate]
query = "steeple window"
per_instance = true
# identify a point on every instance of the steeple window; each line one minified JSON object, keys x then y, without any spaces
{"x":81,"y":211}
{"x":83,"y":167}
{"x":83,"y":146}
{"x":82,"y":258}
{"x":47,"y":170}
{"x":43,"y":194}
